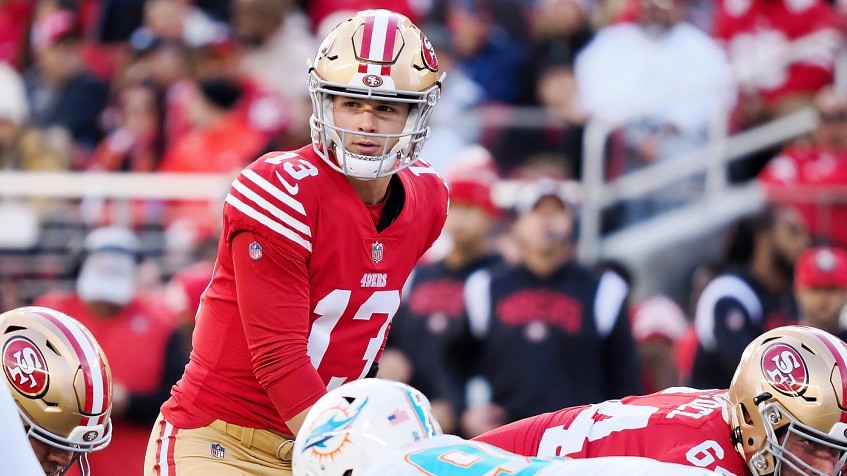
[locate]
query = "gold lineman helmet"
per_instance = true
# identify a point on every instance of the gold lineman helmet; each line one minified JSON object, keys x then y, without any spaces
{"x":376,"y":54}
{"x":791,"y":382}
{"x":59,"y":378}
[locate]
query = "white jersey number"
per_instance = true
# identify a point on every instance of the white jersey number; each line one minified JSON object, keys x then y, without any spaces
{"x":332,"y":307}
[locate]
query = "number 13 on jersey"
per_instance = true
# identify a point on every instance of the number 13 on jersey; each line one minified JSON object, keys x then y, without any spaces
{"x":332,"y":308}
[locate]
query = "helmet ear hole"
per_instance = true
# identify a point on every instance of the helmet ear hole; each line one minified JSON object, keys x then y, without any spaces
{"x":745,"y":414}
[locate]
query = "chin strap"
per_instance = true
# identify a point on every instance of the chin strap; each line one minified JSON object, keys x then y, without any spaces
{"x":82,"y":460}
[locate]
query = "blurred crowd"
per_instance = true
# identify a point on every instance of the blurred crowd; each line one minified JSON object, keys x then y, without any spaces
{"x":207,"y":86}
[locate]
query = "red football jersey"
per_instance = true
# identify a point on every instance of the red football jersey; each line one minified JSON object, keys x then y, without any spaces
{"x":757,"y":31}
{"x":801,"y":172}
{"x":677,"y":425}
{"x":315,"y":291}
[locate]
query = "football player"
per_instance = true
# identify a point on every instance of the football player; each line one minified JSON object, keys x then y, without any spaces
{"x":61,"y":383}
{"x":316,"y":246}
{"x":785,"y":413}
{"x":374,"y":427}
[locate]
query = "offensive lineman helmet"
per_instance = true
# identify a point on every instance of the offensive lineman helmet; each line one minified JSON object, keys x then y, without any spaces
{"x":60,"y":380}
{"x":355,"y":424}
{"x":375,"y":54}
{"x":791,"y":383}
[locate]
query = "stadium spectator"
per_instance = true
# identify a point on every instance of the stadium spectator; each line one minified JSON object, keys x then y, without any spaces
{"x":61,"y":92}
{"x":489,"y":53}
{"x":782,"y":52}
{"x":753,"y":294}
{"x":145,"y":350}
{"x":780,"y":416}
{"x":134,"y":142}
{"x":452,"y":132}
{"x":391,"y":430}
{"x":820,"y":287}
{"x":15,"y":18}
{"x":183,"y":293}
{"x":430,"y":329}
{"x":23,"y":147}
{"x":277,"y":40}
{"x":219,"y":141}
{"x":547,"y":319}
{"x":315,"y":248}
{"x":668,"y":104}
{"x":61,"y":387}
{"x":811,"y":174}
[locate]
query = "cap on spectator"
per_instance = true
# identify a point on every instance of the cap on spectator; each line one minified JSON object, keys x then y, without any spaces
{"x":532,"y":192}
{"x":108,"y":272}
{"x":821,"y":267}
{"x":472,"y":177}
{"x":658,"y":317}
{"x":53,"y":27}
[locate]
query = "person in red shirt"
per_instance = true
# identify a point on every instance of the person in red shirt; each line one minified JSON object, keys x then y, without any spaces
{"x":820,"y":287}
{"x":785,"y":413}
{"x":316,"y":246}
{"x":782,"y":51}
{"x":811,"y":175}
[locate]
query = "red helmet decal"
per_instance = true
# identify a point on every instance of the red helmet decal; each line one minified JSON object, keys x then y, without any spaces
{"x":372,"y":81}
{"x":25,"y":367}
{"x":785,"y":369}
{"x":430,"y":60}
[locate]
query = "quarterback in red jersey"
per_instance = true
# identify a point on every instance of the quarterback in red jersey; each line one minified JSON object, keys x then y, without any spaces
{"x":785,"y":413}
{"x":317,"y":244}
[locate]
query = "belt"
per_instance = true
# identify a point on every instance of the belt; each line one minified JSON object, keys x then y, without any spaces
{"x":279,"y":445}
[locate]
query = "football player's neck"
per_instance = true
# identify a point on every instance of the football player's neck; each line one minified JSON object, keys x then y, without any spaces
{"x":370,"y":191}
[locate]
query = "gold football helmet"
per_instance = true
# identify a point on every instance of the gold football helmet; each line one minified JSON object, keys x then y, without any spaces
{"x":60,"y":380}
{"x":791,"y":383}
{"x":376,"y":54}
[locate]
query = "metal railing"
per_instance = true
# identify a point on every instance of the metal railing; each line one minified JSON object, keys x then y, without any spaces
{"x":598,"y":194}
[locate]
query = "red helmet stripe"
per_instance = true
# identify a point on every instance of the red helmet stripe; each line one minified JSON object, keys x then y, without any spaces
{"x":367,"y":36}
{"x":388,"y":48}
{"x":839,"y":352}
{"x":378,"y":40}
{"x":94,"y":372}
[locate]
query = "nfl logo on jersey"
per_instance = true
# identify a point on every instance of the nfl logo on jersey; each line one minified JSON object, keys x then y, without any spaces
{"x":218,"y":451}
{"x":376,"y":252}
{"x":255,"y":251}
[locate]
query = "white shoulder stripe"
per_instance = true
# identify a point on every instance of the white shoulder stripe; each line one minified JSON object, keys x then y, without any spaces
{"x":268,"y":222}
{"x":478,"y":302}
{"x":274,"y":190}
{"x":726,"y":286}
{"x":611,"y":294}
{"x":275,"y":212}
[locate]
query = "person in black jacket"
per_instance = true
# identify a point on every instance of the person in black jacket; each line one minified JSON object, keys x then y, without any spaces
{"x":753,"y":294}
{"x":553,"y":334}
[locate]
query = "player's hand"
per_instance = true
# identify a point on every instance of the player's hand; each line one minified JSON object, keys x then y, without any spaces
{"x":478,"y":419}
{"x":394,"y":365}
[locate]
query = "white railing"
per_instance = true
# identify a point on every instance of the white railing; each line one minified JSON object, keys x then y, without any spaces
{"x":711,"y":160}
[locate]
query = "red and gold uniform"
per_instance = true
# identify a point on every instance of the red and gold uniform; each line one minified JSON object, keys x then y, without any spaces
{"x":678,"y":425}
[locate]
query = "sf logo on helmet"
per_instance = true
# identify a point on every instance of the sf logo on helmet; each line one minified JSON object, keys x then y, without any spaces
{"x":372,"y":81}
{"x":785,"y":369}
{"x":25,"y":366}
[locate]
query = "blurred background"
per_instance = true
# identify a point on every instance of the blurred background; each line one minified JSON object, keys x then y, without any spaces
{"x":661,"y":117}
{"x":682,"y":137}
